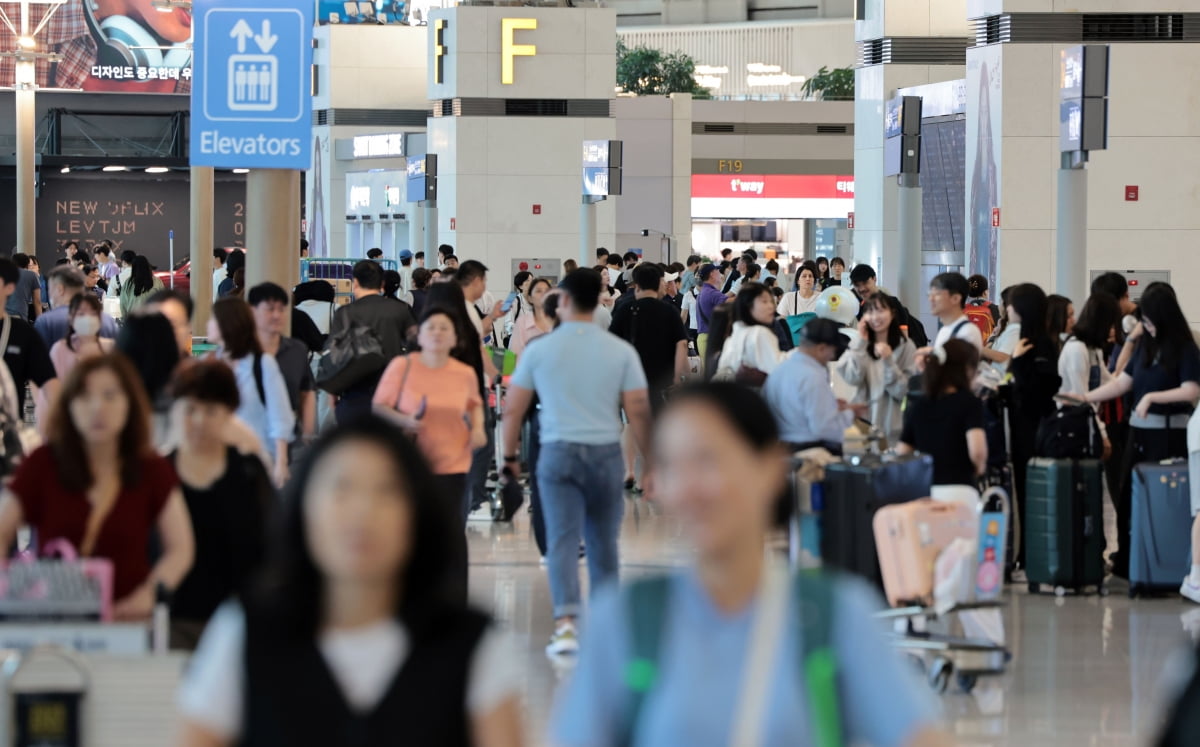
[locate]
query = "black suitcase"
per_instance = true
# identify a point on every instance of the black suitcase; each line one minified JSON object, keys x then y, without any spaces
{"x":853,"y":491}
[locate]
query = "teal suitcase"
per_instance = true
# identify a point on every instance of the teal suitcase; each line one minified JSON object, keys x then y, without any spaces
{"x":1064,"y":525}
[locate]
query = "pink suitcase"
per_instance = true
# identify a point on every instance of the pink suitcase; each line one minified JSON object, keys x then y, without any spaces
{"x":909,"y":537}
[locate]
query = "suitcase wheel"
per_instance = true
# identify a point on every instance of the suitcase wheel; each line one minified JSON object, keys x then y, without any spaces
{"x":1060,"y":591}
{"x":940,"y":672}
{"x":1035,"y":588}
{"x":1102,"y":590}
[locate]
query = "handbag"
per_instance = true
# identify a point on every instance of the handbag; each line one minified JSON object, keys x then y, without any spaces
{"x":352,"y":355}
{"x":796,"y":322}
{"x":58,"y":586}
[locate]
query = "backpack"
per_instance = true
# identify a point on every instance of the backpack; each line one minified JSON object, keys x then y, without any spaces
{"x":981,"y":316}
{"x":352,"y":355}
{"x":1070,"y":433}
{"x":646,"y":610}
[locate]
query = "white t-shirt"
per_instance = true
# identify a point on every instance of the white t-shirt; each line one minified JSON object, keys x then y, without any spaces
{"x":961,"y":329}
{"x":364,"y":663}
{"x":602,"y":317}
{"x":689,"y":305}
{"x":219,"y":276}
{"x":793,"y":304}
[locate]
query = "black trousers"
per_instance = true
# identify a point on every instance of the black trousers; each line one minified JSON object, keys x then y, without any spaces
{"x":1145,"y":445}
{"x":453,"y":489}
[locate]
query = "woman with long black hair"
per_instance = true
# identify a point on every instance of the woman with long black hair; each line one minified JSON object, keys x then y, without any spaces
{"x":880,"y":362}
{"x":1081,"y":363}
{"x":1164,"y":377}
{"x":350,"y":634}
{"x":1034,"y":367}
{"x":141,"y":285}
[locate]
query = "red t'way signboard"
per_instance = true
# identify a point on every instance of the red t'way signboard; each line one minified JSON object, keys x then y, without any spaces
{"x":813,"y":187}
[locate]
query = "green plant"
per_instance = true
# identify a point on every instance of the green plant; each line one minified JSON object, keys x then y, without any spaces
{"x":644,"y":71}
{"x":831,"y":85}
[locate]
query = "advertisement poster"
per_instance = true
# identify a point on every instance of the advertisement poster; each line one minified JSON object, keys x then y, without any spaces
{"x":410,"y":12}
{"x":983,"y":159}
{"x":125,"y":46}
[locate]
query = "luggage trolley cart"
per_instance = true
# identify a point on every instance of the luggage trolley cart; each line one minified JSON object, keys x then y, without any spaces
{"x":496,"y":499}
{"x":929,"y":632}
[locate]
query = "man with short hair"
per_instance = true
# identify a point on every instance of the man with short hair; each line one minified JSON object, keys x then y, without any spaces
{"x":27,"y":355}
{"x":800,"y":394}
{"x":234,"y":261}
{"x":1116,"y":286}
{"x":582,"y":376}
{"x":451,"y":262}
{"x":91,"y":281}
{"x":602,"y":256}
{"x":734,"y":282}
{"x":419,"y":261}
{"x":25,"y":298}
{"x":472,"y":277}
{"x":689,"y":279}
{"x":837,"y":267}
{"x":625,"y":281}
{"x":219,"y":273}
{"x":176,"y":307}
{"x":391,"y":321}
{"x":271,"y":308}
{"x":375,"y":254}
{"x":710,"y":298}
{"x":655,"y":331}
{"x":948,"y":295}
{"x":863,"y":280}
{"x":303,"y":248}
{"x":64,"y":283}
{"x":614,"y":265}
{"x":445,"y":250}
{"x":105,"y":262}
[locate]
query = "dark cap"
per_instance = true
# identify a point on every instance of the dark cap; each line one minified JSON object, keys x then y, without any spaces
{"x":705,"y":271}
{"x":825,"y":331}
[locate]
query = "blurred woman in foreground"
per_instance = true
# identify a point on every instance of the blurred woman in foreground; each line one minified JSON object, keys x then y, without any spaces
{"x":648,"y":672}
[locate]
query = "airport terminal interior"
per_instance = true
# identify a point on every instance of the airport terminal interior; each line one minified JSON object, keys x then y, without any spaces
{"x":600,"y":372}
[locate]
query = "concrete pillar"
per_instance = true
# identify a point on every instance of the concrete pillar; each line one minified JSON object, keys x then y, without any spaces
{"x":1070,"y":256}
{"x":272,"y":227}
{"x":908,"y":223}
{"x":587,"y":231}
{"x":26,"y":160}
{"x":201,"y":221}
{"x":416,"y":230}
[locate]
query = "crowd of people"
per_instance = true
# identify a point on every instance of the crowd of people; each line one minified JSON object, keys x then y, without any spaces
{"x":690,"y":382}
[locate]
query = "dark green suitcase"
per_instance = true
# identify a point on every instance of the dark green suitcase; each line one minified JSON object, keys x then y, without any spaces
{"x":1064,"y":524}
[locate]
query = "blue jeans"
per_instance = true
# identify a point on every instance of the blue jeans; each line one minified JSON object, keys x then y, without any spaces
{"x":581,"y":494}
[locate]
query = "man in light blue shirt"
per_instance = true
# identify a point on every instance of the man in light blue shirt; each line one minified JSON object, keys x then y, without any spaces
{"x":583,"y":376}
{"x":65,"y":282}
{"x":691,"y":276}
{"x":799,"y":391}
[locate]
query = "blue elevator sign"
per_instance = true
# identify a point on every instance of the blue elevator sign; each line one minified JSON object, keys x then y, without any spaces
{"x":251,"y":88}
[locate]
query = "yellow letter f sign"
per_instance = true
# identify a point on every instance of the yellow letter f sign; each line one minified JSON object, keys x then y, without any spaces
{"x":508,"y":50}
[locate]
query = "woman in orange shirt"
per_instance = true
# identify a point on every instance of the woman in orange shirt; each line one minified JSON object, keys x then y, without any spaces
{"x":436,"y":398}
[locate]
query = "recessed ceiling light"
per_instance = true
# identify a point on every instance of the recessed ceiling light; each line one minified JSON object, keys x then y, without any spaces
{"x":157,"y":170}
{"x":65,"y":170}
{"x":241,"y":171}
{"x":114,"y":168}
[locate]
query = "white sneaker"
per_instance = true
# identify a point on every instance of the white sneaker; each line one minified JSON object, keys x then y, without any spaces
{"x":1190,"y":591}
{"x":564,"y":642}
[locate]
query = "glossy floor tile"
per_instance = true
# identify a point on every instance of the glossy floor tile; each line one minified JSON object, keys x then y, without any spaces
{"x":1085,"y":670}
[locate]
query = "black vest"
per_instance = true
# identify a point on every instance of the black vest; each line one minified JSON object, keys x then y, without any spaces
{"x":293,"y":700}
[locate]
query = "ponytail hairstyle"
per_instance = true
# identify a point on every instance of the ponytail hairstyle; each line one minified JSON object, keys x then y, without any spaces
{"x":951,"y":366}
{"x":977,"y":285}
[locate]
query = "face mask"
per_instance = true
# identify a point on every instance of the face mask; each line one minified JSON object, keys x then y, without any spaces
{"x":86,"y":326}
